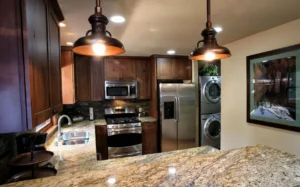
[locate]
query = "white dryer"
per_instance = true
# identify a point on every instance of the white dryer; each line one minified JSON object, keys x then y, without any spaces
{"x":210,"y":94}
{"x":210,"y":130}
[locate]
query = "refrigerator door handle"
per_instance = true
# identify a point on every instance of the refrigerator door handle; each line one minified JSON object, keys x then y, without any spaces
{"x":177,"y":108}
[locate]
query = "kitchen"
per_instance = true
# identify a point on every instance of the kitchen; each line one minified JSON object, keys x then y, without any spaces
{"x":30,"y":98}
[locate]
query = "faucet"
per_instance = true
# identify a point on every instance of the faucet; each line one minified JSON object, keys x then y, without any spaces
{"x":59,"y":125}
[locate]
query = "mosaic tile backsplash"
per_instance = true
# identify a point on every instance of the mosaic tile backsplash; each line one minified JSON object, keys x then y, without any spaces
{"x":82,"y":108}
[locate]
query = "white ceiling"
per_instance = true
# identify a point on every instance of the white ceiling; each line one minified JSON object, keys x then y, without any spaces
{"x":155,"y":26}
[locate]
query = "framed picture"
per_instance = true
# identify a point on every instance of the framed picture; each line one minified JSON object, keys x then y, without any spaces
{"x":273,"y":88}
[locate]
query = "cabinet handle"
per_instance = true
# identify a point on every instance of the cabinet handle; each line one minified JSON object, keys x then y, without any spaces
{"x":54,"y":112}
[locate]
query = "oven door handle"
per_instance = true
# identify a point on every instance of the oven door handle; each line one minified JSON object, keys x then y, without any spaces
{"x":124,"y":131}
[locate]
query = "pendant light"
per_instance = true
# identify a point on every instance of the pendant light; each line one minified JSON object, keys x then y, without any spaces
{"x":98,"y":43}
{"x":210,"y":49}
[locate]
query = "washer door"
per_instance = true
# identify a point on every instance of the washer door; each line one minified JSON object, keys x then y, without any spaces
{"x":212,"y":128}
{"x":213,"y":91}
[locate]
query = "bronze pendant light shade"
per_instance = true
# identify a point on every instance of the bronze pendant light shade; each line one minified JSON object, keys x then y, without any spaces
{"x":99,"y":42}
{"x":210,"y":49}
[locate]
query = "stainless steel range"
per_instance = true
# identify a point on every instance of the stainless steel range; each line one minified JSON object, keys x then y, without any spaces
{"x":124,"y":132}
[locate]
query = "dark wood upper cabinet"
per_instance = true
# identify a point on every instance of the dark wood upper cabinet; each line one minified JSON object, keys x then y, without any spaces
{"x":143,"y":77}
{"x":182,"y":69}
{"x":34,"y":41}
{"x":120,"y":69}
{"x":55,"y":65}
{"x":82,"y":78}
{"x":89,"y":78}
{"x":38,"y":46}
{"x":164,"y":68}
{"x":128,"y":69}
{"x":149,"y":137}
{"x":67,"y":75}
{"x":112,"y":69}
{"x":174,"y":68}
{"x":97,"y":79}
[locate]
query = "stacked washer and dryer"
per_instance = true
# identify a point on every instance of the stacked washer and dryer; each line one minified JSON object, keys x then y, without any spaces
{"x":210,"y":109}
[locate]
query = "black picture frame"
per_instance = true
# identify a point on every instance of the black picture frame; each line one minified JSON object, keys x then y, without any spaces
{"x":252,"y":82}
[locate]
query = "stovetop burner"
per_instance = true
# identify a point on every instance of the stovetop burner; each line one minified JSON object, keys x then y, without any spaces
{"x":121,"y":120}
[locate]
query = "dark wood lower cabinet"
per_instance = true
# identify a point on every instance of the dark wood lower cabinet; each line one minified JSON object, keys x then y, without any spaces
{"x":101,"y":142}
{"x":149,"y":130}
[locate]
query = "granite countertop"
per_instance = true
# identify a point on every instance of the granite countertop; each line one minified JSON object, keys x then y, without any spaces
{"x":247,"y":166}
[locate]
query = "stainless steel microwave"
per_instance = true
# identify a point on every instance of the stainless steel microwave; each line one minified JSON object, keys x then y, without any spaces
{"x":121,"y":90}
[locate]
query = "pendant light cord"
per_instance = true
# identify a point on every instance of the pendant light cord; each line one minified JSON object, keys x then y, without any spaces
{"x":208,"y":23}
{"x":98,"y":8}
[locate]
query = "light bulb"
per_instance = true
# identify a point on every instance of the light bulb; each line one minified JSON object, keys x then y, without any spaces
{"x":99,"y":49}
{"x":209,"y":56}
{"x":111,"y":181}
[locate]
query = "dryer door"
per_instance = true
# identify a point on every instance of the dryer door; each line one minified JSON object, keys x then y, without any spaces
{"x":212,"y":128}
{"x":213,"y":91}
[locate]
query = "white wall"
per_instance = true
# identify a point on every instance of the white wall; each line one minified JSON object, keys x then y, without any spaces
{"x":236,"y":132}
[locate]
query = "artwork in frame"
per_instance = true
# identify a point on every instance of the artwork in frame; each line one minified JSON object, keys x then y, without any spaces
{"x":273,"y":88}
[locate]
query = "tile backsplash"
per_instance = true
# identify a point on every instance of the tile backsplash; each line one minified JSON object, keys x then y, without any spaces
{"x":82,"y":108}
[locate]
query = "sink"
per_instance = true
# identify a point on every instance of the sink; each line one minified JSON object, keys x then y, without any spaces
{"x":73,"y":138}
{"x":75,"y":141}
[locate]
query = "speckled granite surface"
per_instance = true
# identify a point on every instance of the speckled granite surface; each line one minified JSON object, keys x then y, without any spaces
{"x":248,"y":166}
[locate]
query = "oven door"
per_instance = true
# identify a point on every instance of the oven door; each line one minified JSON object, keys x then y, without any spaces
{"x":123,"y":142}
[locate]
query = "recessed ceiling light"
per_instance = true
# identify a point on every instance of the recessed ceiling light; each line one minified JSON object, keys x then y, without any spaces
{"x":61,"y":24}
{"x":69,"y":43}
{"x":265,"y":61}
{"x":218,"y":29}
{"x":117,"y":19}
{"x":171,"y":52}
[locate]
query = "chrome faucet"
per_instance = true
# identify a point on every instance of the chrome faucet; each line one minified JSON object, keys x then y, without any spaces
{"x":59,"y":133}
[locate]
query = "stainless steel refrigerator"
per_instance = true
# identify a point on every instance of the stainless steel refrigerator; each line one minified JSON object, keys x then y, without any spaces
{"x":177,"y":116}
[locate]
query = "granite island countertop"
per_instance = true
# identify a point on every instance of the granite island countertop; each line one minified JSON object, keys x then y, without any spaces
{"x":247,"y":166}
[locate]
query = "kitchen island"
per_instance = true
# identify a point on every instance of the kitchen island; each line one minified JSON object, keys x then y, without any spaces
{"x":202,"y":166}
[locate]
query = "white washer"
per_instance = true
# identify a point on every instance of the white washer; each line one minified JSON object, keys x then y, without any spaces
{"x":210,"y":130}
{"x":210,"y":94}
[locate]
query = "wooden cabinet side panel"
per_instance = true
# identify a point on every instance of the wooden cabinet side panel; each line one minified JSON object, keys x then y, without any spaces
{"x":97,"y":80}
{"x":149,"y":137}
{"x":67,"y":76}
{"x":143,"y":76}
{"x":12,"y":108}
{"x":82,"y":78}
{"x":101,"y":141}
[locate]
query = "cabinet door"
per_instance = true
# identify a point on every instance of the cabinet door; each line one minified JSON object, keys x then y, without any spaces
{"x":149,"y":136}
{"x":128,"y":69}
{"x":112,"y":69}
{"x":164,"y":68}
{"x":182,"y":69}
{"x":37,"y":30}
{"x":82,"y":78}
{"x":101,"y":142}
{"x":54,"y":60}
{"x":97,"y":79}
{"x":67,"y":77}
{"x":143,"y":78}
